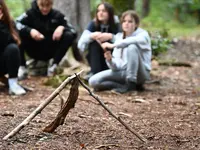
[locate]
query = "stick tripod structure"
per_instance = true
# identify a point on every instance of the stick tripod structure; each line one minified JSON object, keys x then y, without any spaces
{"x":69,"y":104}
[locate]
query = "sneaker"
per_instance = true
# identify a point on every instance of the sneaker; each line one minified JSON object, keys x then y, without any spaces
{"x":22,"y":73}
{"x":16,"y":89}
{"x":30,"y":62}
{"x":128,"y":87}
{"x":51,"y":71}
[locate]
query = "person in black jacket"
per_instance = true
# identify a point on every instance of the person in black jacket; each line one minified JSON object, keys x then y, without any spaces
{"x":9,"y":51}
{"x":45,"y":34}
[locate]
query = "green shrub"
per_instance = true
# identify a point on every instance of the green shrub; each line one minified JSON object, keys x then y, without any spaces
{"x":160,"y":42}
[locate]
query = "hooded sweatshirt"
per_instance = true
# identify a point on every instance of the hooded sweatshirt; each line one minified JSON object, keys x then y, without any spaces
{"x":45,"y":24}
{"x":141,"y":39}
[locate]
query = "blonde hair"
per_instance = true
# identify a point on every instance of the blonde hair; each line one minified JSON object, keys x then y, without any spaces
{"x":46,"y":2}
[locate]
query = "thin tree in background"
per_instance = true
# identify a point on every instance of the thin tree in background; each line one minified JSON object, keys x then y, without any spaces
{"x":145,"y":8}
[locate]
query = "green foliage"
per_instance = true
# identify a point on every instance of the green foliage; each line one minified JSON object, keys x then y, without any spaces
{"x":55,"y":81}
{"x":183,"y":10}
{"x":162,"y":15}
{"x":93,"y":6}
{"x":17,"y":7}
{"x":195,"y":5}
{"x":160,"y":42}
{"x":121,"y":6}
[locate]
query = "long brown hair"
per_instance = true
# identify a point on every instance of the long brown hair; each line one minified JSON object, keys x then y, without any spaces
{"x":9,"y":21}
{"x":109,"y":8}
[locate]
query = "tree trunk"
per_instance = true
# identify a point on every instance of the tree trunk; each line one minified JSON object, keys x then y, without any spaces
{"x":145,"y":8}
{"x":78,"y":14}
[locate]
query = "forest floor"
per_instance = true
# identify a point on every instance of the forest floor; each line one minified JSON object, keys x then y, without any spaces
{"x":167,"y":114}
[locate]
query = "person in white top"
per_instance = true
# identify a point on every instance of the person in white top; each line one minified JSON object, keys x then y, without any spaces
{"x":130,"y":62}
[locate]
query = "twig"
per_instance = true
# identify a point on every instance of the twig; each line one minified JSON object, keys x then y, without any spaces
{"x":178,"y":64}
{"x":9,"y":114}
{"x":106,"y":145}
{"x":40,"y":107}
{"x":153,"y":82}
{"x":69,"y":104}
{"x":110,"y":112}
{"x":89,"y":101}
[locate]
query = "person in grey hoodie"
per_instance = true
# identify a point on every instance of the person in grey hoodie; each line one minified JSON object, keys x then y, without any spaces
{"x":101,"y":29}
{"x":130,"y":62}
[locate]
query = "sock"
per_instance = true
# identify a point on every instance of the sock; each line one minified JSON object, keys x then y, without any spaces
{"x":54,"y":66}
{"x":12,"y":81}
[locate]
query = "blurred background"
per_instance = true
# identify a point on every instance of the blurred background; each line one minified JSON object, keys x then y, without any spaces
{"x":180,"y":17}
{"x":165,"y":20}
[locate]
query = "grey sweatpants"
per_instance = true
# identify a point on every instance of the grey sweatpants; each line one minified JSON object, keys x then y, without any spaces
{"x":134,"y":71}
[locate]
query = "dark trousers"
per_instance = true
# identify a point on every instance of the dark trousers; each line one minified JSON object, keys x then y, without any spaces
{"x":10,"y":61}
{"x":96,"y":58}
{"x":46,"y":49}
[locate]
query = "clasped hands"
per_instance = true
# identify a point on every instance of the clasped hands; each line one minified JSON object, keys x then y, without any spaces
{"x":36,"y":35}
{"x":101,"y":38}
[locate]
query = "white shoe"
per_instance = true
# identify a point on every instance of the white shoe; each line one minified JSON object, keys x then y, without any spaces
{"x":22,"y":73}
{"x":52,"y":70}
{"x":16,"y":89}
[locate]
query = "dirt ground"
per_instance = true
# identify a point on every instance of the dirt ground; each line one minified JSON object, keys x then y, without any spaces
{"x":167,"y":114}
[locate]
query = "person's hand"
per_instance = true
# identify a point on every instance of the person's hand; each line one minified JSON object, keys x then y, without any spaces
{"x":95,"y":35}
{"x":58,"y":33}
{"x":107,"y":45}
{"x":103,"y":37}
{"x":36,"y":35}
{"x":108,"y":55}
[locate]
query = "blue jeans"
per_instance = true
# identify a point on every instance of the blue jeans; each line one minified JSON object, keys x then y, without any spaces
{"x":134,"y":71}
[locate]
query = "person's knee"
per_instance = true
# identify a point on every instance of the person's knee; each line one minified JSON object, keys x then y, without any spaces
{"x":93,"y":82}
{"x":68,"y":37}
{"x":132,"y":48}
{"x":12,"y":50}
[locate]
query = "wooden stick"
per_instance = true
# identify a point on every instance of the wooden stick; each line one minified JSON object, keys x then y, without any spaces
{"x":110,"y":112}
{"x":106,"y":145}
{"x":40,"y":107}
{"x":172,"y":63}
